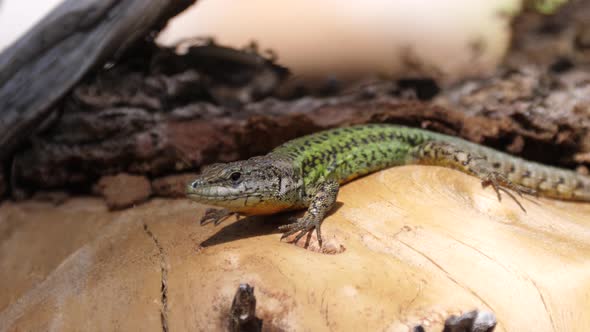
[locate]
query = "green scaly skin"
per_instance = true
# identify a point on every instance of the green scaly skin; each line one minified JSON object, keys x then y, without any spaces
{"x":307,"y":172}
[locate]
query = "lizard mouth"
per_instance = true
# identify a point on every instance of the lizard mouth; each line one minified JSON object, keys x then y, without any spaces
{"x":246,"y":204}
{"x":216,"y":194}
{"x":196,"y":196}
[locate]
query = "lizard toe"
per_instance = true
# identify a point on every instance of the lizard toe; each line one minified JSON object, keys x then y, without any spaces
{"x":301,"y":227}
{"x":500,"y":183}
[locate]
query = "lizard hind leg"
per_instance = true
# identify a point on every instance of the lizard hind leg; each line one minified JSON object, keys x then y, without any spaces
{"x":449,"y":155}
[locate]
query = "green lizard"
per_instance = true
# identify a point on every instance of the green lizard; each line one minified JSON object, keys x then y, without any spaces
{"x":307,"y":172}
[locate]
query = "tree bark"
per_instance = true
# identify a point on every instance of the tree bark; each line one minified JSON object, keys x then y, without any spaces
{"x":49,"y":60}
{"x":160,"y":113}
{"x":84,"y":146}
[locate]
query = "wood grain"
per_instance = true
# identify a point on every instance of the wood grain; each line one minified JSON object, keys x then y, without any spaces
{"x":409,"y":245}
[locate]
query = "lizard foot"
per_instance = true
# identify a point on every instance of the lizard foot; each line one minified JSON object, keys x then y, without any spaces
{"x":303,"y":225}
{"x":215,"y":216}
{"x":501,"y":184}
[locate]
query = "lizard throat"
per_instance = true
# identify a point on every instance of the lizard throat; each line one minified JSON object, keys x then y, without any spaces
{"x":247,"y":205}
{"x":244,"y":203}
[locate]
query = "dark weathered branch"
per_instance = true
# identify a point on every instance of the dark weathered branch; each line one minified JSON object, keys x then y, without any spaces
{"x":163,"y":113}
{"x":87,"y":145}
{"x":43,"y":65}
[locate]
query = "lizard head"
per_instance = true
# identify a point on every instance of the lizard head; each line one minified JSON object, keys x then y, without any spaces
{"x":253,"y":186}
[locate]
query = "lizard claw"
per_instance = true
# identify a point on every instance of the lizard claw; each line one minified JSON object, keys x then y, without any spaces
{"x":215,"y":216}
{"x":501,"y":184}
{"x":302,"y":226}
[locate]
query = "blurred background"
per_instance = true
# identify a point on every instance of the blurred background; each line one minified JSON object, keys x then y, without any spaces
{"x":451,"y":38}
{"x":97,"y":128}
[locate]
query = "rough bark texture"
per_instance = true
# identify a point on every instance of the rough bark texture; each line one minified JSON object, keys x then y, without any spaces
{"x":50,"y":59}
{"x":85,"y":145}
{"x":549,"y":113}
{"x":3,"y":184}
{"x":157,"y":113}
{"x":560,"y":42}
{"x":123,"y":190}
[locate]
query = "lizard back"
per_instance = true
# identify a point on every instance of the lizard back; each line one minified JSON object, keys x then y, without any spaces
{"x":350,"y":152}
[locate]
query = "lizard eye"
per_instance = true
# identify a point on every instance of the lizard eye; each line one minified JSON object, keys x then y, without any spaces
{"x":235,"y":176}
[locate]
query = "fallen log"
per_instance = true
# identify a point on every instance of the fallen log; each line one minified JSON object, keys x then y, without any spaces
{"x":409,"y":246}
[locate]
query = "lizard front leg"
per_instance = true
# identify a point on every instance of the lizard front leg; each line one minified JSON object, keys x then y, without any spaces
{"x":446,"y":154}
{"x":322,"y":202}
{"x":216,"y":216}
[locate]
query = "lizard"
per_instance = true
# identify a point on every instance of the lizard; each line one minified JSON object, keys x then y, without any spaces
{"x":306,"y":173}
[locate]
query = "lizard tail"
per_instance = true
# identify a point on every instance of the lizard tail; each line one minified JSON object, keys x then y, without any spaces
{"x":545,"y":180}
{"x":554,"y":183}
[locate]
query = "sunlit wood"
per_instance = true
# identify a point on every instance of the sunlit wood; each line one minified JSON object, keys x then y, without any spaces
{"x":409,"y":245}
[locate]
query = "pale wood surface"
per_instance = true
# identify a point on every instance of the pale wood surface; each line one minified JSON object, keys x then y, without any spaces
{"x":419,"y":243}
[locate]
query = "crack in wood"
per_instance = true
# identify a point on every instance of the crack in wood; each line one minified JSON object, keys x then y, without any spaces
{"x":164,"y":278}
